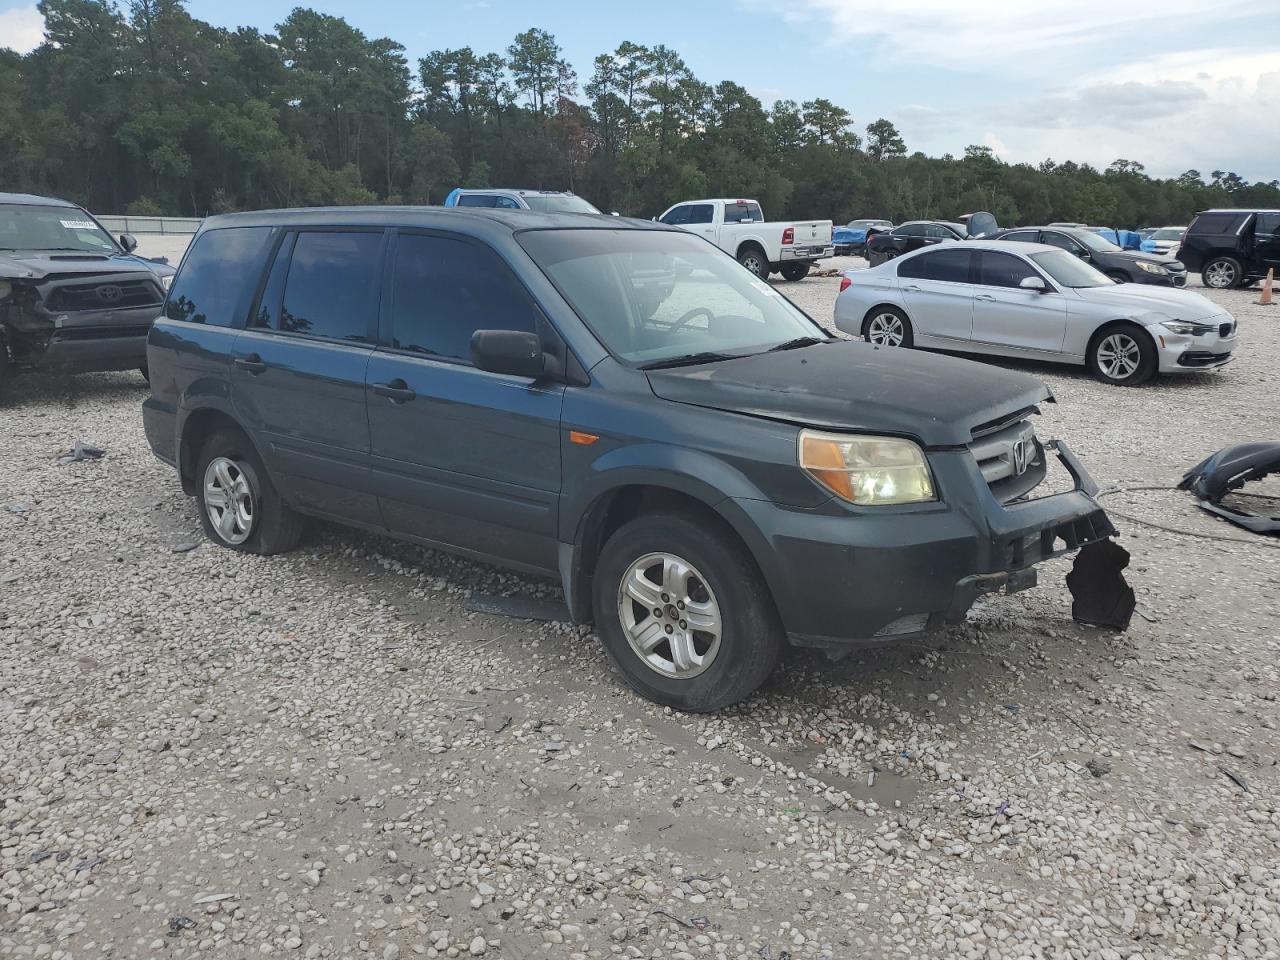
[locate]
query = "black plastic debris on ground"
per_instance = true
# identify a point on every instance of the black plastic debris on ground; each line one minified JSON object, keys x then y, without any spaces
{"x":1099,"y":593}
{"x":1227,"y":471}
{"x":519,"y":607}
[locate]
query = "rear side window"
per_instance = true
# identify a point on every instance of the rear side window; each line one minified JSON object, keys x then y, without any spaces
{"x":1217,"y":223}
{"x":444,"y":290}
{"x":949,"y":266}
{"x":1003,"y":269}
{"x":218,"y":276}
{"x":1268,"y":225}
{"x":331,"y":290}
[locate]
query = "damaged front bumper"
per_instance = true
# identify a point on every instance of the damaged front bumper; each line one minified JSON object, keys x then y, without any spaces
{"x":844,"y":576}
{"x":1225,"y":472}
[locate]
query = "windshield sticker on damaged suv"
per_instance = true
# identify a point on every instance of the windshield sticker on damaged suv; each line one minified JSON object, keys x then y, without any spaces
{"x":79,"y":224}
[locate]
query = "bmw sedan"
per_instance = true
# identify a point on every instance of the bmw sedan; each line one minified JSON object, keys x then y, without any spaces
{"x":1037,"y":302}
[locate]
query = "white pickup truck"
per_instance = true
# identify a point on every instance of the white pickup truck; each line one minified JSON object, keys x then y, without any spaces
{"x":738,"y":228}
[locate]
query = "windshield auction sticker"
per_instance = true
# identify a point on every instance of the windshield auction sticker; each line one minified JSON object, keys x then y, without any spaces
{"x":79,"y":224}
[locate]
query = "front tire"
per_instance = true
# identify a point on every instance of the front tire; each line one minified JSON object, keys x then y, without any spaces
{"x":1222,"y":273}
{"x":887,"y":327}
{"x":684,"y":614}
{"x":794,"y":271}
{"x":1123,"y":355}
{"x":239,"y":507}
{"x":753,"y":259}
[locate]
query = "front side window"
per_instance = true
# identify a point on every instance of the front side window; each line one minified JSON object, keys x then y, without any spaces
{"x":1021,"y":236}
{"x":444,"y":290}
{"x":218,"y":276}
{"x":1060,"y":240}
{"x":676,"y":216}
{"x":1003,"y":269}
{"x":651,"y":296}
{"x":40,"y":227}
{"x":331,"y":289}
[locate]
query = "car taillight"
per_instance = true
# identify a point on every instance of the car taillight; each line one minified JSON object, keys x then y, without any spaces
{"x":845,"y":284}
{"x":789,"y":235}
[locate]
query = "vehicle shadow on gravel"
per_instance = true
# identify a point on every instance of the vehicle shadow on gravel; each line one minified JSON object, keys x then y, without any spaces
{"x":1066,"y":371}
{"x":31,"y":389}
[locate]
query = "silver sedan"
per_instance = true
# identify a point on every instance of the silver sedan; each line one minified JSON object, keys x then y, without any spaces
{"x":1037,"y":302}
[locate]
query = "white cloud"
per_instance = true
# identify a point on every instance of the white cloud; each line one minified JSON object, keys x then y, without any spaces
{"x":21,"y":28}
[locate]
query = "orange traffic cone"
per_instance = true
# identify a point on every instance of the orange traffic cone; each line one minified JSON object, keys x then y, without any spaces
{"x":1265,"y":299}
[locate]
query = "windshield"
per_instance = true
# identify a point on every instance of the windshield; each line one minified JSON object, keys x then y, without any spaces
{"x":559,"y":203}
{"x":1094,"y":242}
{"x":651,"y":296}
{"x":1069,"y":270}
{"x":30,"y":227}
{"x":1170,"y":233}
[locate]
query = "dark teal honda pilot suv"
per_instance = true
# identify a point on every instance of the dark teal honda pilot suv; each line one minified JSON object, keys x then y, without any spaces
{"x":708,"y":473}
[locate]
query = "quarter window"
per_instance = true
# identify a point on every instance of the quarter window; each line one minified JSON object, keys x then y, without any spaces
{"x":1217,"y":223}
{"x":1004,"y":269}
{"x":218,"y":276}
{"x":444,"y":290}
{"x":331,"y":290}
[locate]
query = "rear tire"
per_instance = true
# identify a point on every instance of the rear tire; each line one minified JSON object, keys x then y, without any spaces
{"x":1123,"y":355}
{"x":660,"y":569}
{"x":1222,"y":273}
{"x":239,"y":506}
{"x":794,"y":271}
{"x":753,"y":259}
{"x":887,"y":327}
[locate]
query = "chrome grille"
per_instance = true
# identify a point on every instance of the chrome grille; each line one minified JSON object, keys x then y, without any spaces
{"x":1011,"y":460}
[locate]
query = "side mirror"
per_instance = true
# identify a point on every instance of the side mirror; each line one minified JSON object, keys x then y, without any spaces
{"x":513,"y":352}
{"x":1034,"y":283}
{"x":129,"y":242}
{"x":1083,"y":255}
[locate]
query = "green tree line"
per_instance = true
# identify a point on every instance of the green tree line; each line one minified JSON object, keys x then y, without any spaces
{"x":142,"y":108}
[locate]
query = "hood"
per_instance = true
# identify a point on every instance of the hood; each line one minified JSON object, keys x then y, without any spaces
{"x":38,"y":264}
{"x":1133,"y":256}
{"x":854,"y":386}
{"x":1137,"y":298}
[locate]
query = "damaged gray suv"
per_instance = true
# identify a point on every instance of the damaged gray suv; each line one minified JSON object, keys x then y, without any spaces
{"x":709,"y":475}
{"x":72,"y":297}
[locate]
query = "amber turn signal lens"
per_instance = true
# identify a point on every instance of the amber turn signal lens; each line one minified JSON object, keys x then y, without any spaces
{"x":583,"y":439}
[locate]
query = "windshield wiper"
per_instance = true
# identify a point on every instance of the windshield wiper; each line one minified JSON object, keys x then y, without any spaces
{"x":796,"y":344}
{"x":687,"y":360}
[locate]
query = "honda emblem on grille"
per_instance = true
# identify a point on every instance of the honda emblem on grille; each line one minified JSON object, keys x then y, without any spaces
{"x":109,"y":293}
{"x":1019,"y":457}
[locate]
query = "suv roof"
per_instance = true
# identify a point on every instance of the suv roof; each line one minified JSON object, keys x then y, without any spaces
{"x":1239,"y":210}
{"x":518,"y":191}
{"x":30,"y":199}
{"x":484,"y":217}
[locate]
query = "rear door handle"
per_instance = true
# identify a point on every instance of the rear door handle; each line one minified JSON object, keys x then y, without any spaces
{"x":985,"y":296}
{"x":397,"y":391}
{"x":253,"y":363}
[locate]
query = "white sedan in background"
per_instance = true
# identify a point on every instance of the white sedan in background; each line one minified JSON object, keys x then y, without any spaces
{"x":1037,"y":302}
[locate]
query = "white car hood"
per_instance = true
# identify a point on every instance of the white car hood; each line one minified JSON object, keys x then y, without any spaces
{"x":1135,"y":299}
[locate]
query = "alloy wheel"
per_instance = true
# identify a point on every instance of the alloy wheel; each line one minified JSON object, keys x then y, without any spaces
{"x":1119,"y":356}
{"x":671,"y":618}
{"x":886,"y":329}
{"x":228,"y":499}
{"x":1220,"y":274}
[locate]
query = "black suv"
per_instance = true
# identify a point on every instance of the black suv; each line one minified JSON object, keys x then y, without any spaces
{"x":1232,"y":248}
{"x":910,"y":236}
{"x":708,"y":477}
{"x":1122,"y":266}
{"x":71,"y":296}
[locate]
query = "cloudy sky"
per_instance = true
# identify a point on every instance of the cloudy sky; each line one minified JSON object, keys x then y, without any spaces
{"x":1176,"y":84}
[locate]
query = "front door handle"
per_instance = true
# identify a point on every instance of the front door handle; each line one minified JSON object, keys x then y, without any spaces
{"x":912,"y":287}
{"x":397,"y":391}
{"x":252,"y":363}
{"x":985,"y":296}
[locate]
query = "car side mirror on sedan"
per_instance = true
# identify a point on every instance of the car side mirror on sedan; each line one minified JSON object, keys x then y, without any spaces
{"x":1034,"y":283}
{"x":129,"y":242}
{"x":516,"y":353}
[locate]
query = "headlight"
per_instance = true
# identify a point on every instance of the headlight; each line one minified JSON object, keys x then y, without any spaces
{"x":166,"y":282}
{"x":1150,"y":267}
{"x":869,"y":471}
{"x":1185,"y":326}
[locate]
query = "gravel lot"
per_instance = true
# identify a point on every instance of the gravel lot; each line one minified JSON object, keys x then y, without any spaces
{"x":327,"y":754}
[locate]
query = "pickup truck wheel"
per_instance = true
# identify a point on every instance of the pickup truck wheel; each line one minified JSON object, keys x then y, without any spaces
{"x":1222,"y":273}
{"x":887,"y":327}
{"x":1123,"y":355}
{"x":239,"y":507}
{"x":753,"y":259}
{"x":684,"y":614}
{"x":795,"y":271}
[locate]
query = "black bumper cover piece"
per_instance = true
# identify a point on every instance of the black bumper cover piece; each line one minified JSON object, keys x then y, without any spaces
{"x":1228,"y":470}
